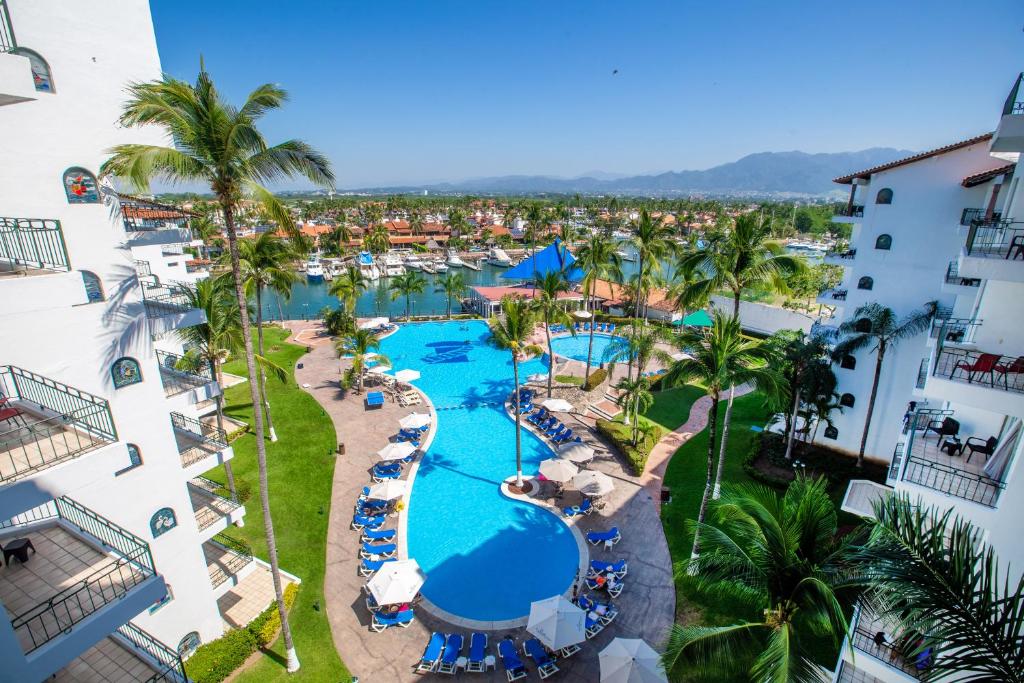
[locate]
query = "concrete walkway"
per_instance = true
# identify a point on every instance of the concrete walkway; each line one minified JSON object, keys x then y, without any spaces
{"x":647,"y":604}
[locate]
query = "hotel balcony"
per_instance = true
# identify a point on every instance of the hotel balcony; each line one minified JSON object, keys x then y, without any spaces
{"x":947,"y":330}
{"x":169,"y":307}
{"x":149,"y":223}
{"x":851,"y":213}
{"x":185,"y":385}
{"x":893,"y":654}
{"x":954,"y":283}
{"x":832,"y":297}
{"x":1008,"y":140}
{"x":85,"y":578}
{"x":841,"y":258}
{"x":213,"y":512}
{"x":16,"y":81}
{"x":31,"y":246}
{"x":201,"y":446}
{"x":971,"y":376}
{"x":228,"y":562}
{"x":994,"y":251}
{"x":129,"y":655}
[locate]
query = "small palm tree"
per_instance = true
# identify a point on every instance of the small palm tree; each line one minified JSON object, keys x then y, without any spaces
{"x":639,"y":344}
{"x":337,"y":321}
{"x":376,"y":240}
{"x":348,"y":286}
{"x":599,"y":260}
{"x":552,"y":311}
{"x":509,"y":331}
{"x":720,"y":357}
{"x":454,"y":286}
{"x":781,"y":557}
{"x":652,"y":242}
{"x":879,"y":327}
{"x":634,"y":398}
{"x":361,"y":345}
{"x":406,"y":285}
{"x":416,"y":223}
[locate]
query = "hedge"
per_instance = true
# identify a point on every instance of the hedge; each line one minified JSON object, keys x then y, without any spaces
{"x":597,"y":376}
{"x":214,"y":661}
{"x":619,"y":434}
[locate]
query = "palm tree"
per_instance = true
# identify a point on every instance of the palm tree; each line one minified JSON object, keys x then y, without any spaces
{"x":599,"y":260}
{"x":361,"y":345}
{"x":635,"y":397}
{"x":719,"y":357}
{"x":406,"y":285}
{"x":639,"y":345}
{"x":348,"y":286}
{"x":535,"y":217}
{"x":552,"y":312}
{"x":416,"y":223}
{"x":340,"y":236}
{"x":454,"y":286}
{"x":651,"y":239}
{"x":376,"y":240}
{"x":781,"y":556}
{"x":337,"y":321}
{"x":878,"y":325}
{"x":509,"y":332}
{"x":931,"y":574}
{"x":219,"y":145}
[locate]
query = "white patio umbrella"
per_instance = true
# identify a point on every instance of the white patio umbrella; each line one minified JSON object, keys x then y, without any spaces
{"x":396,"y":582}
{"x":557,"y":405}
{"x":682,"y":355}
{"x":407,"y":375}
{"x":414,"y":421}
{"x":396,"y":451}
{"x":557,"y":622}
{"x":593,"y":483}
{"x":576,"y":452}
{"x":388,"y":489}
{"x":582,"y":314}
{"x":373,"y":322}
{"x":630,"y":660}
{"x":558,"y":470}
{"x":380,"y":369}
{"x":537,"y":377}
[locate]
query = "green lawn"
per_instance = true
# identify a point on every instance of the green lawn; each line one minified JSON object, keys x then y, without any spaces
{"x":300,"y":469}
{"x":672,"y":407}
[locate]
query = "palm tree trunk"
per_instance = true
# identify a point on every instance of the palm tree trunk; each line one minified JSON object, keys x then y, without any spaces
{"x":590,"y":346}
{"x":871,"y":403}
{"x":515,"y":406}
{"x":792,"y":425}
{"x":551,"y":355}
{"x":712,"y":428}
{"x":262,"y":374}
{"x":641,"y":300}
{"x":724,"y":445}
{"x":228,"y":473}
{"x":261,"y":448}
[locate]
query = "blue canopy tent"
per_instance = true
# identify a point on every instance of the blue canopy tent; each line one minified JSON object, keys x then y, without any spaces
{"x":553,"y":258}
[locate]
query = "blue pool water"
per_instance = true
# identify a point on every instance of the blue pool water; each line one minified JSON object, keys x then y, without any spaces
{"x":576,"y":347}
{"x":486,"y":556}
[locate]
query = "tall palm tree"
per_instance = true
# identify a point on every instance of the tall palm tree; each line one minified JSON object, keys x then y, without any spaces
{"x":719,"y":357}
{"x":406,"y":285}
{"x":634,"y":398}
{"x":340,"y":236}
{"x":599,"y":260}
{"x":454,"y":286}
{"x":651,"y":239}
{"x":931,"y":574}
{"x":416,"y":223}
{"x":780,"y":556}
{"x":348,"y":286}
{"x":509,"y":331}
{"x":552,"y":311}
{"x":376,"y":240}
{"x":879,"y":327}
{"x":535,"y":217}
{"x":638,"y":344}
{"x":219,"y":145}
{"x":362,"y":345}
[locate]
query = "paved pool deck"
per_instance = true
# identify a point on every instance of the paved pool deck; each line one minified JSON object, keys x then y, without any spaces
{"x":647,"y":604}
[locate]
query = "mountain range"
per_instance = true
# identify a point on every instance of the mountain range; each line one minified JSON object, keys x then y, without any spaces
{"x":792,"y":174}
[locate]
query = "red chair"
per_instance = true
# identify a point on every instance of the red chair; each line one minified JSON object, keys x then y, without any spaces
{"x":985,"y":363}
{"x":12,"y":415}
{"x":1014,"y":368}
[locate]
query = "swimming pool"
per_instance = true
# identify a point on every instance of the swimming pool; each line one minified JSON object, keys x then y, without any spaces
{"x":487,"y":557}
{"x":576,"y":347}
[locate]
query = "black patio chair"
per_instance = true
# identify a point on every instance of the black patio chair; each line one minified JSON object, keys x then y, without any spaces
{"x":946,"y":427}
{"x":976,"y":445}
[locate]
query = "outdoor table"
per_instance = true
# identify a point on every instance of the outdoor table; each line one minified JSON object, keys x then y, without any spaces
{"x":18,"y":548}
{"x":953,"y":446}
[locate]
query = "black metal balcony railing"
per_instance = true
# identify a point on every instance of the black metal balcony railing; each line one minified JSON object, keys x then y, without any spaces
{"x":984,"y":369}
{"x":33,"y":243}
{"x":955,"y":330}
{"x":976,"y":488}
{"x":996,"y":239}
{"x":968,"y":216}
{"x":238,"y":555}
{"x":953,"y":276}
{"x":141,"y":214}
{"x":216,"y":507}
{"x":851,"y":211}
{"x":922,"y":374}
{"x":836,"y":294}
{"x":176,"y":379}
{"x":885,"y":651}
{"x":897,"y":462}
{"x":165,"y":300}
{"x":200,"y":431}
{"x":1014,"y":105}
{"x":142,"y":268}
{"x":848,"y":255}
{"x":167,"y":660}
{"x":7,"y":41}
{"x":920,"y":419}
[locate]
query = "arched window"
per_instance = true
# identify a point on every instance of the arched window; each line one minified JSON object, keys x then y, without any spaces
{"x":125,"y":371}
{"x":80,"y":186}
{"x":831,"y":433}
{"x":188,"y":644}
{"x":862,"y":325}
{"x":41,"y":76}
{"x":884,"y":196}
{"x":134,"y":455}
{"x":93,"y":287}
{"x":847,"y":400}
{"x":848,"y":362}
{"x":883,"y":242}
{"x":162,"y":521}
{"x":866,"y":283}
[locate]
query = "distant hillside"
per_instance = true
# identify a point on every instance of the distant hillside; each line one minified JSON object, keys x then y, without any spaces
{"x":764,"y":173}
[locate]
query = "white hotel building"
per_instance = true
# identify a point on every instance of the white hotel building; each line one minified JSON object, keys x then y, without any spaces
{"x":946,"y":226}
{"x":101,"y":443}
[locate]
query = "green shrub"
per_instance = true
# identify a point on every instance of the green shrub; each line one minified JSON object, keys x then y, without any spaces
{"x":214,"y":661}
{"x":264,"y":628}
{"x":619,"y":434}
{"x":596,"y":378}
{"x":569,"y":379}
{"x":242,"y":488}
{"x":232,"y":435}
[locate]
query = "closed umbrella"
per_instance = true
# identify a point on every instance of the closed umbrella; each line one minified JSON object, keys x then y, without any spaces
{"x":396,"y":451}
{"x":557,"y":405}
{"x":558,"y":470}
{"x":396,"y":582}
{"x":593,"y":483}
{"x":388,"y":489}
{"x":414,"y":421}
{"x":630,"y":660}
{"x":557,"y":622}
{"x":576,"y":452}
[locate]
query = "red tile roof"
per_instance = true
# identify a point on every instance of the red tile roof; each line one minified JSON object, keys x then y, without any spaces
{"x":867,"y":173}
{"x":985,"y":176}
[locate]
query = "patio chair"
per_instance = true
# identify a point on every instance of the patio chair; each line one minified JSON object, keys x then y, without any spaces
{"x":370,"y":567}
{"x":378,"y":535}
{"x":477,"y":660}
{"x":514,"y":669}
{"x":609,"y":537}
{"x":409,"y":398}
{"x":945,"y":427}
{"x":593,"y":625}
{"x":546,"y":666}
{"x":360,"y":522}
{"x":1014,"y":368}
{"x":984,"y":364}
{"x":382,"y":622}
{"x":619,"y":568}
{"x":452,"y":651}
{"x":584,"y":508}
{"x":605,"y":612}
{"x":369,"y":551}
{"x":976,"y":445}
{"x":431,"y":653}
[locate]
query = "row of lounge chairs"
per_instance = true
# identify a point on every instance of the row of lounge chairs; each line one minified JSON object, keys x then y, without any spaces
{"x":444,"y":655}
{"x":598,"y":327}
{"x":557,"y":329}
{"x":549,"y":425}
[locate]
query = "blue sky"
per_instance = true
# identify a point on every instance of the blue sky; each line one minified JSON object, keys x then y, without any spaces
{"x":397,"y":92}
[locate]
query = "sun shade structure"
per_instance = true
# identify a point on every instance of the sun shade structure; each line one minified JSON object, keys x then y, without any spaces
{"x":576,"y":452}
{"x":593,"y":483}
{"x":407,"y":375}
{"x":630,"y":660}
{"x":396,"y":451}
{"x":696,"y":319}
{"x":414,"y":421}
{"x":553,"y":258}
{"x":557,"y":622}
{"x":557,"y":405}
{"x":558,"y":470}
{"x":396,"y":582}
{"x":380,"y":369}
{"x":389,"y":489}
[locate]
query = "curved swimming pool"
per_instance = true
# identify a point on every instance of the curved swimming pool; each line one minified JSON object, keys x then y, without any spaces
{"x":576,"y":347}
{"x":487,"y":557}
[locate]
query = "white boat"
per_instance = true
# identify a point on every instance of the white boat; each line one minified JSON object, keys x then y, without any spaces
{"x":392,"y":265}
{"x":439,"y":267}
{"x":453,"y":259}
{"x":414,"y":262}
{"x":314,"y":269}
{"x":367,"y":267}
{"x":428,"y":268}
{"x":626,"y":255}
{"x":497,"y":257}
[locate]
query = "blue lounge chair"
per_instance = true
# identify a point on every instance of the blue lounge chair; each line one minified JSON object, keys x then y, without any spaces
{"x":612,"y":536}
{"x":577,"y":327}
{"x":384,"y":550}
{"x":378,"y":535}
{"x":545,"y":664}
{"x":370,"y":507}
{"x":431,"y":653}
{"x":384,"y":621}
{"x":612,"y":585}
{"x":593,"y":625}
{"x":477,"y":660}
{"x":525,"y":408}
{"x":364,"y":493}
{"x":564,"y":436}
{"x":584,"y":508}
{"x":600,"y":327}
{"x":366,"y":522}
{"x":387,"y":466}
{"x":368,"y":567}
{"x":604,"y":611}
{"x":514,"y":669}
{"x":381,"y":476}
{"x":375,"y":399}
{"x":557,"y":429}
{"x":619,"y":568}
{"x":611,"y":327}
{"x":452,"y":650}
{"x":586,"y":327}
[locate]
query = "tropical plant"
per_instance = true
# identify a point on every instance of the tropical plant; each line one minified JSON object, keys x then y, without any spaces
{"x":454,"y":286}
{"x":416,"y":223}
{"x":552,"y":311}
{"x":638,"y":344}
{"x":946,"y":590}
{"x":219,"y":145}
{"x":877,"y":326}
{"x":405,"y":285}
{"x":718,"y":357}
{"x":363,"y":346}
{"x":348,"y":286}
{"x":780,"y":556}
{"x":510,"y":331}
{"x":339,"y":237}
{"x":599,"y":260}
{"x":376,"y":240}
{"x":337,"y":321}
{"x":634,"y":398}
{"x":804,"y":363}
{"x":652,"y":241}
